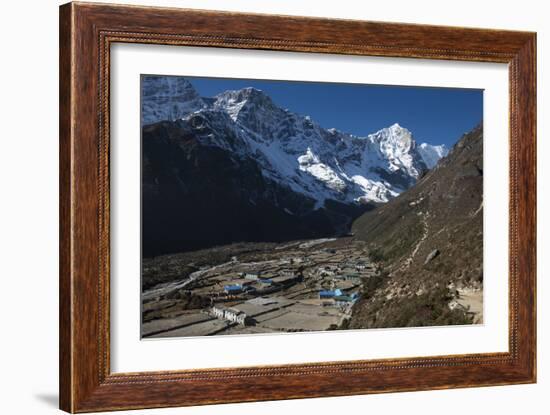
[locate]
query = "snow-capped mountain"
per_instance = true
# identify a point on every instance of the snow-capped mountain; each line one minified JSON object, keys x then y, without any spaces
{"x":292,"y":149}
{"x":432,"y":154}
{"x":236,"y":167}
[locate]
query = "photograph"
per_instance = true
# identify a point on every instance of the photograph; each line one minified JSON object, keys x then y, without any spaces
{"x":273,"y":206}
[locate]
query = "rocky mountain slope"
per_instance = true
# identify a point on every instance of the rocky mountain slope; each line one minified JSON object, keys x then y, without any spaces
{"x":215,"y":168}
{"x":429,"y":241}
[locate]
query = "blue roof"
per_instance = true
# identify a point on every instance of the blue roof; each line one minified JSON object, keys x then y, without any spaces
{"x":233,"y":287}
{"x":330,"y":293}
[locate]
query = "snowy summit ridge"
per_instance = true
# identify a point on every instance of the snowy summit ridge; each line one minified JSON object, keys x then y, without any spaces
{"x":292,"y":149}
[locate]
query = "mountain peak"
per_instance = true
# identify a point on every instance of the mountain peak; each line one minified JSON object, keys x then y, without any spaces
{"x":399,"y":131}
{"x":432,"y":154}
{"x":398,"y":146}
{"x":394,"y":132}
{"x":251,"y":91}
{"x":240,"y":95}
{"x":235,"y":101}
{"x":168,"y":98}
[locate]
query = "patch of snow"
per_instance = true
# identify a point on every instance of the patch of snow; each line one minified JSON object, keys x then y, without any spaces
{"x":310,"y":163}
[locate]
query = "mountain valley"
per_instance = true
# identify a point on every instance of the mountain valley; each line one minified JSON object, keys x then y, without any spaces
{"x":215,"y":168}
{"x":256,"y":219}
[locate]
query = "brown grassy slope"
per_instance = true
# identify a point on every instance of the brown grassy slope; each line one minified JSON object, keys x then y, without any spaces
{"x":442,"y":212}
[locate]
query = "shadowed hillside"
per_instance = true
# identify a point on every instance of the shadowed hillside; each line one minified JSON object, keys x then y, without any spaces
{"x":197,"y":196}
{"x":429,"y":241}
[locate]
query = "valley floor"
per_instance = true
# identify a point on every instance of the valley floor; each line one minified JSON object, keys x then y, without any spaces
{"x":256,"y":288}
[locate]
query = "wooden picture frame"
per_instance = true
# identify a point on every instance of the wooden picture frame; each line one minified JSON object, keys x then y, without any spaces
{"x":86,"y":33}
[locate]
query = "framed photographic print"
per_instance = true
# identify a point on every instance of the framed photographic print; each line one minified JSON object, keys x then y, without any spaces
{"x":261,"y":207}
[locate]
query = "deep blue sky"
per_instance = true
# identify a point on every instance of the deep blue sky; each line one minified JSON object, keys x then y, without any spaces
{"x":433,"y":115}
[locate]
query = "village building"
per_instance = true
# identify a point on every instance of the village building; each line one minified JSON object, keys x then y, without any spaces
{"x":236,"y":316}
{"x":361,"y":265}
{"x":343,"y":300}
{"x":330,"y":293}
{"x":233,"y":289}
{"x":251,"y":275}
{"x":352,"y":277}
{"x":346,"y":299}
{"x":217,"y":312}
{"x":232,"y":315}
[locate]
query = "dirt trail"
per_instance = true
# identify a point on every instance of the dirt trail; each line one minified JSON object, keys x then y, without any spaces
{"x":408,"y":261}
